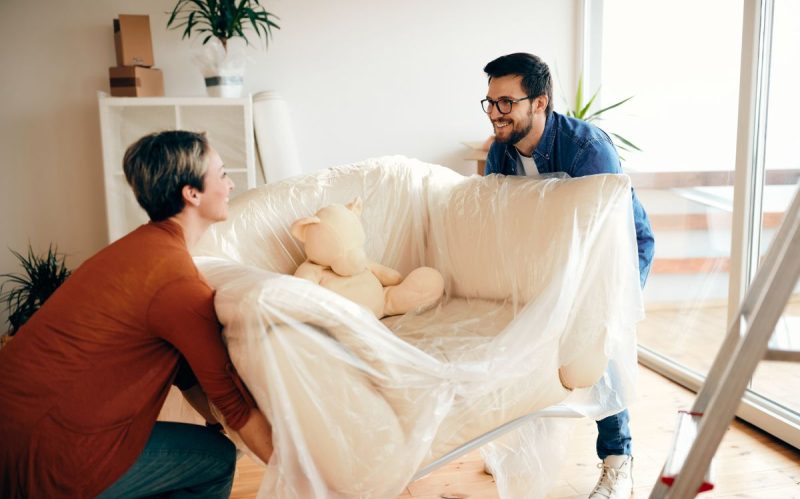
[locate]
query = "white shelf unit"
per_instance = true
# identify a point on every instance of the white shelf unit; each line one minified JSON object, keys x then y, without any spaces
{"x":123,"y":120}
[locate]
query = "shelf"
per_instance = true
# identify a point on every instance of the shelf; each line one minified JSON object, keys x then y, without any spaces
{"x":172,"y":101}
{"x":227,"y":122}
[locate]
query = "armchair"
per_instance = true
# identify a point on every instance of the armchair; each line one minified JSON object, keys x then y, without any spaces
{"x":541,"y":291}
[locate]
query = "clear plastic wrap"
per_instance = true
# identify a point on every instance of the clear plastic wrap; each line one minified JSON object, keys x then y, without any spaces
{"x":539,"y":273}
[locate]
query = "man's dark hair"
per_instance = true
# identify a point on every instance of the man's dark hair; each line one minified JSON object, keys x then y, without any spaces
{"x":535,"y":74}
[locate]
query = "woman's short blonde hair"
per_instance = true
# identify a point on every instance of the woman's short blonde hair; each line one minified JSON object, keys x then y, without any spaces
{"x":159,"y":165}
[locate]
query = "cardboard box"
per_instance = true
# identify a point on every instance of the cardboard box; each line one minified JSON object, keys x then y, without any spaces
{"x":132,"y":41}
{"x":135,"y":81}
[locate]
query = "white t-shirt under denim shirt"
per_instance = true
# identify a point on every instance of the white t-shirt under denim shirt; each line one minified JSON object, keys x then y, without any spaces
{"x":526,"y":164}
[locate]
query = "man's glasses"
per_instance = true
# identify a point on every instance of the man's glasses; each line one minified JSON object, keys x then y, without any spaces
{"x":503,"y":104}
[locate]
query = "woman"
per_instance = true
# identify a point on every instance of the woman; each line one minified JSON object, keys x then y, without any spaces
{"x":83,"y":381}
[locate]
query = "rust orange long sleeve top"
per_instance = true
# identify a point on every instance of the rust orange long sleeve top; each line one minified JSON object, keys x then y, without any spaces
{"x":83,"y":381}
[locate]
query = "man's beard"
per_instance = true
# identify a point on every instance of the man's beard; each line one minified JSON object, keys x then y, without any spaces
{"x":517,"y":135}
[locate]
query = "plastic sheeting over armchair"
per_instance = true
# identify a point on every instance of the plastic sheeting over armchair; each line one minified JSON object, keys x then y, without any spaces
{"x":539,"y":274}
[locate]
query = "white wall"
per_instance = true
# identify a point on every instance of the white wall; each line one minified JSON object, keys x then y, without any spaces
{"x":362,"y":78}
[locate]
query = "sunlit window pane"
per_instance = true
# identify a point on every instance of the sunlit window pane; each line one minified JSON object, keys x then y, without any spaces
{"x":780,"y":381}
{"x":684,"y":80}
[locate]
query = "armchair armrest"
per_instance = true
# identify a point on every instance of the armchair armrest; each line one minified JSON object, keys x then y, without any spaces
{"x":585,"y":368}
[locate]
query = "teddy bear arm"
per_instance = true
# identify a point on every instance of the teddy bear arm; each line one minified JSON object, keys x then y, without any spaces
{"x":309,"y":271}
{"x":387,"y":276}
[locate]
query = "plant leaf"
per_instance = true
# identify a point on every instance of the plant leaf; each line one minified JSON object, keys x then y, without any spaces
{"x":579,"y":96}
{"x":588,"y":105}
{"x":625,"y":141}
{"x":612,"y":106}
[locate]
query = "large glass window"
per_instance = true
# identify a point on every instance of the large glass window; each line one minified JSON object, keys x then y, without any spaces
{"x":780,"y":381}
{"x":683,"y":115}
{"x":684,"y":78}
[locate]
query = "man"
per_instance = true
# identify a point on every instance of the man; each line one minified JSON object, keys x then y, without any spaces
{"x":83,"y":381}
{"x":530,"y":138}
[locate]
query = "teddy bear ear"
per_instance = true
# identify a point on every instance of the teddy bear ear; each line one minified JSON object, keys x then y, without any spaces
{"x":299,"y":227}
{"x":356,"y":206}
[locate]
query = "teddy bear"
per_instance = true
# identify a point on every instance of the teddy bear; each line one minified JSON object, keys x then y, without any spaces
{"x":334,"y":244}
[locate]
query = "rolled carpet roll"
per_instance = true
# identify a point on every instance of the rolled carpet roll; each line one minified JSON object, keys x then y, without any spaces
{"x":277,"y":149}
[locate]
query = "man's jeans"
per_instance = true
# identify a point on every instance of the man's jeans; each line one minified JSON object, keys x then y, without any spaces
{"x":180,"y":460}
{"x":614,"y":435}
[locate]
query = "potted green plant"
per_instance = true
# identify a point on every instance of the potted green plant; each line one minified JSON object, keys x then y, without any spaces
{"x":583,"y":111}
{"x":25,"y":293}
{"x":220,"y":22}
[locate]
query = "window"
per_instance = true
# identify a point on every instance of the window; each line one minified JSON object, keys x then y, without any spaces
{"x":779,"y":381}
{"x":685,"y":117}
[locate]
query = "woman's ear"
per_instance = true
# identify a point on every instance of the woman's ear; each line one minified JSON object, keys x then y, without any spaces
{"x":190,"y":195}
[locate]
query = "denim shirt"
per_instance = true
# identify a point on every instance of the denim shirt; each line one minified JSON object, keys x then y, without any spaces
{"x":577,"y":148}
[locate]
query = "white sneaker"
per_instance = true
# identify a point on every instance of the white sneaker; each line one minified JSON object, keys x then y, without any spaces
{"x":616,"y":481}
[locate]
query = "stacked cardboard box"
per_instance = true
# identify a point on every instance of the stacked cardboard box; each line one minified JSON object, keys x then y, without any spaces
{"x":134,"y":76}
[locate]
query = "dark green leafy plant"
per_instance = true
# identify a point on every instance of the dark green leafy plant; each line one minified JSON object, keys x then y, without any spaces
{"x":583,"y":111}
{"x":222,"y":19}
{"x":29,"y":290}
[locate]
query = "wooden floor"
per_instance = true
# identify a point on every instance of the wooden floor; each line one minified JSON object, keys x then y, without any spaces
{"x":693,"y":334}
{"x":749,"y":463}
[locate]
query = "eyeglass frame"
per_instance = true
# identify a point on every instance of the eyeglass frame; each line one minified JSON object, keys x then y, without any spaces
{"x":504,"y":99}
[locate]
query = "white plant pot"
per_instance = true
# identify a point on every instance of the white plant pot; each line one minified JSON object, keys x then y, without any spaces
{"x":223,"y":70}
{"x":224,"y":86}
